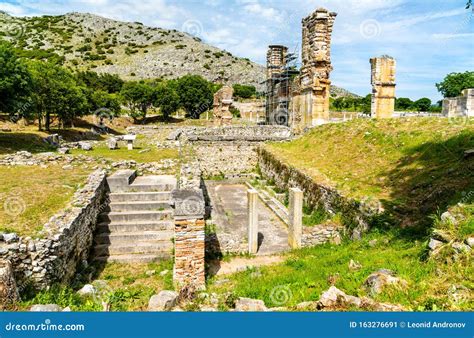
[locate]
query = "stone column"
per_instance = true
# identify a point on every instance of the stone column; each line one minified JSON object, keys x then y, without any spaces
{"x":189,"y":260}
{"x":8,"y":290}
{"x":252,"y":220}
{"x":383,"y":87}
{"x":295,"y":231}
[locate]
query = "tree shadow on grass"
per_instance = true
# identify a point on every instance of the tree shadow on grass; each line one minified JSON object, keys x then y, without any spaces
{"x":430,"y":178}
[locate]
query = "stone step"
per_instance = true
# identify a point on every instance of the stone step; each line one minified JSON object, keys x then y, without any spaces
{"x":133,"y":258}
{"x":136,"y":226}
{"x":121,"y":180}
{"x":136,"y":216}
{"x":138,"y":206}
{"x":133,"y":237}
{"x":161,"y":196}
{"x":149,"y":247}
{"x":153,"y":183}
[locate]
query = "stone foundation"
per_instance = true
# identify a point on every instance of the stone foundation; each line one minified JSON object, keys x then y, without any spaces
{"x":460,"y":106}
{"x":68,"y":237}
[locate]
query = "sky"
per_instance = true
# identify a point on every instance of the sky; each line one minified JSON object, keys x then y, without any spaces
{"x":428,"y":38}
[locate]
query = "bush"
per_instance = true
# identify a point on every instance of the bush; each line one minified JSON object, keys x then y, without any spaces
{"x":244,"y":91}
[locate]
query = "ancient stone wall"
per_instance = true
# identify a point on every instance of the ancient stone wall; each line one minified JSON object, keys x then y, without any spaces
{"x":223,"y":99}
{"x":189,"y":266}
{"x":460,"y":106}
{"x":315,"y":194}
{"x":68,"y":237}
{"x":383,"y":86}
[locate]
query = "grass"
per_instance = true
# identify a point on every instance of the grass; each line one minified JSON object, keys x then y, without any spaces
{"x":128,"y":288}
{"x":306,"y":273}
{"x":29,"y":196}
{"x":414,"y":166}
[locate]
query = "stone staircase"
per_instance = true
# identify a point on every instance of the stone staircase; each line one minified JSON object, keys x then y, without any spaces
{"x":138,"y":224}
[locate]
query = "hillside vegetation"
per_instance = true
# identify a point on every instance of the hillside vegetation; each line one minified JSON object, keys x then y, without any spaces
{"x":416,"y":167}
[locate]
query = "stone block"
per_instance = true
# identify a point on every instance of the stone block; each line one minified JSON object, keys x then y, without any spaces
{"x":295,"y":231}
{"x":252,"y":197}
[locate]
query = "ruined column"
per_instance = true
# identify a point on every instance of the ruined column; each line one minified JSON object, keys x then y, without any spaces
{"x":383,"y":86}
{"x":316,"y":56}
{"x":295,"y":231}
{"x":252,"y":220}
{"x":223,"y":99}
{"x":189,"y":263}
{"x":8,"y":290}
{"x":276,"y":63}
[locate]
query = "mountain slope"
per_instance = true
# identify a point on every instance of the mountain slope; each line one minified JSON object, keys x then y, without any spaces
{"x":131,"y":50}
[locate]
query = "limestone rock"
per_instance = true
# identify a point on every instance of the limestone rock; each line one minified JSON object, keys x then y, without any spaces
{"x":377,"y":281}
{"x":354,"y":265}
{"x":164,"y":301}
{"x":67,"y":309}
{"x":86,"y":146}
{"x":87,"y":290}
{"x":448,"y":217}
{"x":250,"y":305}
{"x":470,"y":241}
{"x":68,"y":167}
{"x":307,"y":306}
{"x":434,"y":244}
{"x":208,"y":309}
{"x":461,"y":247}
{"x":442,"y":235}
{"x":10,"y":237}
{"x":333,"y":298}
{"x":164,"y":273}
{"x":45,"y":308}
{"x":63,"y":150}
{"x":150,"y":272}
{"x":373,"y":243}
{"x":8,"y":289}
{"x":112,"y":143}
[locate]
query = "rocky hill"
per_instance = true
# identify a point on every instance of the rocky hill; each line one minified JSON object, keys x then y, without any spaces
{"x":130,"y":49}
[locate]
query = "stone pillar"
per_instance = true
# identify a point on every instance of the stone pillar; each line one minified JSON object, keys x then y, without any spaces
{"x":276,"y":63}
{"x":8,"y":290}
{"x":189,"y":261}
{"x":383,"y":87}
{"x":295,"y":231}
{"x":316,"y":57}
{"x":223,"y":99}
{"x":252,"y":220}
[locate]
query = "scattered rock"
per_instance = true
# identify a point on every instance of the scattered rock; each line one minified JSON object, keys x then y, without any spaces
{"x":164,"y":273}
{"x":112,"y":143}
{"x":164,"y":301}
{"x":373,"y":243}
{"x":150,"y":272}
{"x":468,"y":153}
{"x":87,"y":290}
{"x":86,"y":146}
{"x":336,"y":239}
{"x":354,"y":265}
{"x":307,"y":306}
{"x":67,"y":309}
{"x":448,"y":217}
{"x":434,"y":244}
{"x":63,"y":150}
{"x":208,"y":309}
{"x":458,"y":293}
{"x":144,"y":151}
{"x":10,"y":237}
{"x":45,"y":308}
{"x":68,"y":167}
{"x":249,"y":305}
{"x":461,"y":247}
{"x":377,"y":281}
{"x":442,"y":235}
{"x":470,"y":241}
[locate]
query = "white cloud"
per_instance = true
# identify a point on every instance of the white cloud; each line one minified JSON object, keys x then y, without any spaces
{"x":11,"y":9}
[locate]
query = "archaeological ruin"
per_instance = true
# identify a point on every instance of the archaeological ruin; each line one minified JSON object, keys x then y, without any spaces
{"x":461,"y":106}
{"x":221,"y":107}
{"x":383,"y":86}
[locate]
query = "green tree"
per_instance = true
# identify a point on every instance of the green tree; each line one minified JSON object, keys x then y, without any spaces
{"x":244,"y":91}
{"x":454,"y":83}
{"x":138,"y":96}
{"x":423,"y":104}
{"x":166,"y":98}
{"x":110,"y":83}
{"x":403,"y":103}
{"x":15,"y":82}
{"x":56,"y":93}
{"x":195,"y":94}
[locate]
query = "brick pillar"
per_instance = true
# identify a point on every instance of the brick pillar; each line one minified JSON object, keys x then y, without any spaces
{"x":189,"y":260}
{"x":295,"y":230}
{"x":252,"y":220}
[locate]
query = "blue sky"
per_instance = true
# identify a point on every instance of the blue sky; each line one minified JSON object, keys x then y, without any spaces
{"x":428,"y":38}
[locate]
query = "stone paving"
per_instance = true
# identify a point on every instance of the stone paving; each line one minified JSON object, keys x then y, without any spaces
{"x":229,"y":215}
